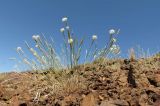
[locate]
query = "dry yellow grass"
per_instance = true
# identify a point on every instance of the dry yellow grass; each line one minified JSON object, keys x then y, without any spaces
{"x":107,"y":78}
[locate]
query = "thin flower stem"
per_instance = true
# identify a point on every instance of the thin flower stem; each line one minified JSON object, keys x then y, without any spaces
{"x":107,"y":48}
{"x":71,"y":49}
{"x":89,"y":50}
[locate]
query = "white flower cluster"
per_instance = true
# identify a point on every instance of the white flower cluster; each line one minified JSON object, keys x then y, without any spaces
{"x":62,"y":30}
{"x":64,"y":19}
{"x":115,"y":49}
{"x":36,"y":37}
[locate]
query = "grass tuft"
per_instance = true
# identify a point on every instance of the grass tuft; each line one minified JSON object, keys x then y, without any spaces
{"x":46,"y":56}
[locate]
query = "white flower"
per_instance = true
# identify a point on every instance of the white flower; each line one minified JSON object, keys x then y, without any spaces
{"x":94,"y":37}
{"x":70,"y":41}
{"x":67,"y":27}
{"x":19,"y":49}
{"x":114,"y":40}
{"x":62,"y":30}
{"x":36,"y":46}
{"x":64,"y":19}
{"x":36,"y":37}
{"x":112,"y":31}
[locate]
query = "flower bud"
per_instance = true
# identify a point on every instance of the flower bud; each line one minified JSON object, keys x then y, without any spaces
{"x":19,"y":48}
{"x":114,"y":40}
{"x":36,"y":37}
{"x":62,"y":30}
{"x":112,"y":31}
{"x":64,"y":19}
{"x":67,"y":27}
{"x":70,"y":41}
{"x":94,"y":37}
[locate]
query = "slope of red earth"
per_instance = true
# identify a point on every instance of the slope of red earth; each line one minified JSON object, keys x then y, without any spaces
{"x":113,"y":82}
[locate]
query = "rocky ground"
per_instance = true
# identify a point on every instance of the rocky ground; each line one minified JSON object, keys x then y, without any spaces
{"x":114,"y":82}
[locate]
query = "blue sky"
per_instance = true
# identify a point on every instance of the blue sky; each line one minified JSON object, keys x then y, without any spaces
{"x":20,"y":19}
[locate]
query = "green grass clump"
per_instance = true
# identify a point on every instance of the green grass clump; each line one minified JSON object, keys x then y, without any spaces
{"x":46,"y":56}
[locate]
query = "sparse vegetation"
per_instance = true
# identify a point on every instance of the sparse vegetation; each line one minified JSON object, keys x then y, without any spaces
{"x":52,"y":80}
{"x":46,"y":56}
{"x":108,"y":82}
